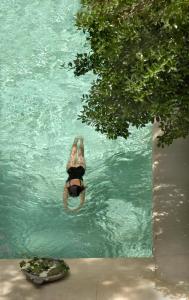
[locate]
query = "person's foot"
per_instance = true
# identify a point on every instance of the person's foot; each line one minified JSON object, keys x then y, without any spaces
{"x":76,"y":140}
{"x":81,"y":138}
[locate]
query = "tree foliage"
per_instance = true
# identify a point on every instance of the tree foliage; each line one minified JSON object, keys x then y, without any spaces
{"x":140,"y":54}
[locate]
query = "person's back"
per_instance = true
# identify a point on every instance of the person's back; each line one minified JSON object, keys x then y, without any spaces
{"x":74,"y":185}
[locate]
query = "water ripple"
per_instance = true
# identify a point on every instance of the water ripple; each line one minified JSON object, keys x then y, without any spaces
{"x":39,"y":104}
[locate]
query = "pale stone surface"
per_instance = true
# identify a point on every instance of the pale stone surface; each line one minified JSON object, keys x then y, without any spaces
{"x":171,"y":210}
{"x":91,"y":279}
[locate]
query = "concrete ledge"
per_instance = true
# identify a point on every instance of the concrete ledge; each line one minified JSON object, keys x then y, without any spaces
{"x":90,"y":279}
{"x":171,"y":210}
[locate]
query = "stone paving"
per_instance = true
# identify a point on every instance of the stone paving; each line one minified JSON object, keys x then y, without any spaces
{"x":92,"y":279}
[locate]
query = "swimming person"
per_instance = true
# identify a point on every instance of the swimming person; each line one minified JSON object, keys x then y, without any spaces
{"x":76,"y":166}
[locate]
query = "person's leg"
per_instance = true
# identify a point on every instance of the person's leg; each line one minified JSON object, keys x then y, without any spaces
{"x":73,"y":155}
{"x":81,"y":158}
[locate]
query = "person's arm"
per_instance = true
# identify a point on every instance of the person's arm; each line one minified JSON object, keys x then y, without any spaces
{"x":65,"y":196}
{"x":65,"y":199}
{"x":82,"y":198}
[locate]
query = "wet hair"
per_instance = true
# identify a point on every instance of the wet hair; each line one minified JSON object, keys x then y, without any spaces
{"x":75,"y":190}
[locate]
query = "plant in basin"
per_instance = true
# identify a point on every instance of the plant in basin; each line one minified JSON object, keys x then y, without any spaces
{"x":41,"y":270}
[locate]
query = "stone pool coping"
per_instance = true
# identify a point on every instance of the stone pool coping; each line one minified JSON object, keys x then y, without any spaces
{"x":93,"y":279}
{"x":165,"y":276}
{"x":171,"y":210}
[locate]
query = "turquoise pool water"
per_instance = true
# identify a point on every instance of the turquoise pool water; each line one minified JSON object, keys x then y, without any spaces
{"x":38,"y":109}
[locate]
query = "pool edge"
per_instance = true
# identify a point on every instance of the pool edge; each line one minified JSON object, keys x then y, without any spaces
{"x":170,"y":210}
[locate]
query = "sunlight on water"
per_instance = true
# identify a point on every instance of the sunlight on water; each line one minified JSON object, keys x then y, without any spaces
{"x":39,"y":105}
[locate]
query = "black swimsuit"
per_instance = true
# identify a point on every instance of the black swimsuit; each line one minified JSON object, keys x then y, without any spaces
{"x":75,"y":173}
